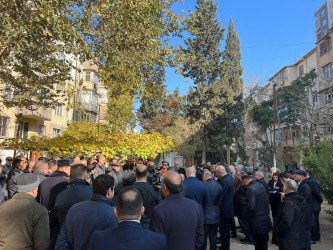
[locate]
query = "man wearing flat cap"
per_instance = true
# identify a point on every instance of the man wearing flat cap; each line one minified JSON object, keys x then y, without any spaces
{"x":304,"y":190}
{"x":24,"y":222}
{"x":48,"y":191}
{"x":120,"y":177}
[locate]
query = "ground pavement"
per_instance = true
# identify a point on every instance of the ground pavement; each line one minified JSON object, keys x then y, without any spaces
{"x":326,"y":228}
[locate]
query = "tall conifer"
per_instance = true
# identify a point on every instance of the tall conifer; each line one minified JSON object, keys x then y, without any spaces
{"x":203,"y":65}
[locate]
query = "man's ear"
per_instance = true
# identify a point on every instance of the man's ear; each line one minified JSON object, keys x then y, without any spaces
{"x":116,"y":211}
{"x":142,"y":210}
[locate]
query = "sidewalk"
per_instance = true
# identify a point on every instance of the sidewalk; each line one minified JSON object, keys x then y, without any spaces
{"x":326,"y":228}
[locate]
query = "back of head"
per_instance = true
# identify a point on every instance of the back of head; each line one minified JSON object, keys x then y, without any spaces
{"x":78,"y":171}
{"x":221,"y":169}
{"x":26,"y":183}
{"x":129,"y":204}
{"x":41,"y":166}
{"x":207,"y":175}
{"x":291,"y":185}
{"x":141,"y":171}
{"x":173,"y":182}
{"x":190,"y":171}
{"x":247,"y":177}
{"x":52,"y":163}
{"x":102,"y":183}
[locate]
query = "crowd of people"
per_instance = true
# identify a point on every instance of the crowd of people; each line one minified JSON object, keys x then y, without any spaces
{"x":84,"y":204}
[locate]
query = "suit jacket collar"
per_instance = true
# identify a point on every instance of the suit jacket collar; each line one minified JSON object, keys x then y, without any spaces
{"x":129,"y":224}
{"x":174,"y":196}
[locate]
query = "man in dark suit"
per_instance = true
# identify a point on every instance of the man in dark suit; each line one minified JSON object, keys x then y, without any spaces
{"x":304,"y":190}
{"x":259,"y":176}
{"x":197,"y":189}
{"x":226,"y":206}
{"x":317,"y":200}
{"x":212,"y":210}
{"x":257,"y":212}
{"x":79,"y":190}
{"x":129,"y":234}
{"x":151,"y":196}
{"x":177,"y":217}
{"x":48,"y":191}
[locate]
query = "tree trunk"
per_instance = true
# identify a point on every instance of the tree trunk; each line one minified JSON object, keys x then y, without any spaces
{"x":228,"y":155}
{"x":204,"y":141}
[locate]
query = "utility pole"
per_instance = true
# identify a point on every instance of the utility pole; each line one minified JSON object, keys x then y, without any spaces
{"x":274,"y":112}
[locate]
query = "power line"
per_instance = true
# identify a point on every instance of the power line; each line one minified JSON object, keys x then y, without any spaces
{"x":274,"y":45}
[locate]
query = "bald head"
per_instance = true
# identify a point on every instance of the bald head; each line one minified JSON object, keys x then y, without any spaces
{"x":171,"y":183}
{"x":141,"y":172}
{"x":129,"y":204}
{"x":42,"y":166}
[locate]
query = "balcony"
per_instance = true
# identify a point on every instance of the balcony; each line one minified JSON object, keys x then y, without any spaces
{"x":40,"y":114}
{"x":89,"y":107}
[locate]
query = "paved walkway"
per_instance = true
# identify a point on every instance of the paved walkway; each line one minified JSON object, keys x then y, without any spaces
{"x":326,"y":228}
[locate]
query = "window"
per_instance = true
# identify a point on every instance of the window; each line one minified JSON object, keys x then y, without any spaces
{"x":4,"y":126}
{"x":323,"y":12}
{"x":328,"y":72}
{"x":301,"y":71}
{"x":325,"y":46}
{"x":282,"y":78}
{"x":324,"y":22}
{"x":56,"y":132}
{"x":42,"y":130}
{"x":277,"y":135}
{"x":21,"y":129}
{"x":314,"y":96}
{"x":328,"y":97}
{"x":58,"y":110}
{"x":88,"y":76}
{"x":328,"y":130}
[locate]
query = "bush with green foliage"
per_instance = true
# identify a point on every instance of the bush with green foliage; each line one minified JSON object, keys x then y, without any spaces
{"x":320,"y":162}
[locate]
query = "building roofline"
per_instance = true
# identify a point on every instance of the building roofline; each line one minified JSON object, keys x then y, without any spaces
{"x":279,"y":72}
{"x":306,"y":56}
{"x":314,"y":14}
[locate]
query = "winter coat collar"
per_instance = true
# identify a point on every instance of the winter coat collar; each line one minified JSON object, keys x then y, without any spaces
{"x":102,"y":198}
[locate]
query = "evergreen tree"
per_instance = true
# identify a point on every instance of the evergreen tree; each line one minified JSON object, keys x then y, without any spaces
{"x":228,"y":126}
{"x":203,"y":65}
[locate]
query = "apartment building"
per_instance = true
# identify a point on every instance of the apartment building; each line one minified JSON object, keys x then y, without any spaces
{"x":324,"y":19}
{"x":24,"y":123}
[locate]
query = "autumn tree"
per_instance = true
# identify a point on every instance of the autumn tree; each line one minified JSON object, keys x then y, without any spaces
{"x":34,"y":36}
{"x":203,"y":64}
{"x":130,"y":41}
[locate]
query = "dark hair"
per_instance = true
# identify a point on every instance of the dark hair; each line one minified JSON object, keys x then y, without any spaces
{"x":284,"y":175}
{"x":278,"y":176}
{"x":43,"y":159}
{"x":52,"y":163}
{"x":308,"y":172}
{"x":129,"y":203}
{"x":247,"y":177}
{"x":141,"y":173}
{"x":102,"y":183}
{"x":165,"y":162}
{"x":172,"y":187}
{"x":291,"y":172}
{"x":77,"y":171}
{"x":91,"y":166}
{"x":17,"y":160}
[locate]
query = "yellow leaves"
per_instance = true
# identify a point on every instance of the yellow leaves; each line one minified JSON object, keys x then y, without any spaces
{"x":82,"y":138}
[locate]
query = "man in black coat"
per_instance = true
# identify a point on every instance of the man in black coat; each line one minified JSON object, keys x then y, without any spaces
{"x":317,"y":200}
{"x":47,"y":194}
{"x":259,"y":176}
{"x":151,"y":196}
{"x":78,"y":190}
{"x":226,"y":205}
{"x":257,"y":212}
{"x":177,"y":217}
{"x":129,"y":234}
{"x":212,"y":210}
{"x":304,"y":190}
{"x":289,"y":226}
{"x":19,"y":165}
